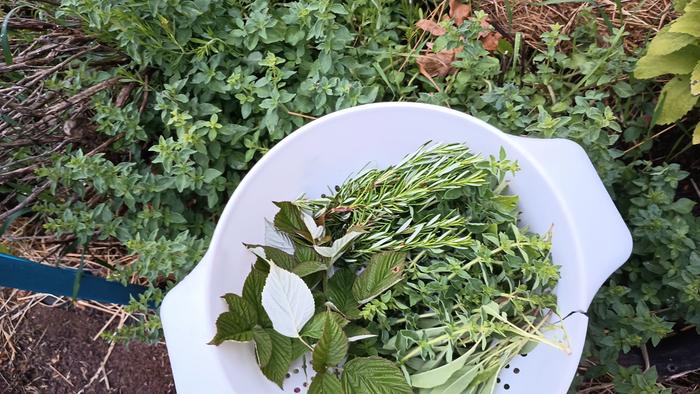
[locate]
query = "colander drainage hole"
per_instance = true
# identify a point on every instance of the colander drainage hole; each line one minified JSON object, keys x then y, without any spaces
{"x":498,"y":380}
{"x":296,"y":370}
{"x":507,"y":366}
{"x":288,"y":375}
{"x":506,"y":386}
{"x":523,"y":355}
{"x":297,"y":390}
{"x":305,"y":384}
{"x":516,"y":370}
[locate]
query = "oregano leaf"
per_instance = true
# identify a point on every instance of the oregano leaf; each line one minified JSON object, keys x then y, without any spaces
{"x":332,"y":347}
{"x":325,"y":383}
{"x":287,"y":301}
{"x":373,"y":375}
{"x":383,"y":271}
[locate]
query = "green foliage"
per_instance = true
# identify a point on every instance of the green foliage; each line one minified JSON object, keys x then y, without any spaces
{"x":220,"y":78}
{"x":676,"y":50}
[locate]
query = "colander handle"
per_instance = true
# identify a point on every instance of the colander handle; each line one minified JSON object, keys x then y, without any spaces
{"x":603,"y":240}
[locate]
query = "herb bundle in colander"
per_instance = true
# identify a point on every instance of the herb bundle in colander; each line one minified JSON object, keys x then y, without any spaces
{"x":411,"y":278}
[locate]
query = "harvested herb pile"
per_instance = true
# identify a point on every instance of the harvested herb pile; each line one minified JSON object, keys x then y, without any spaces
{"x":410,"y":278}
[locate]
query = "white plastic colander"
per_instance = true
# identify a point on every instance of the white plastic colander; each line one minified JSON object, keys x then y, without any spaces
{"x":557,"y":186}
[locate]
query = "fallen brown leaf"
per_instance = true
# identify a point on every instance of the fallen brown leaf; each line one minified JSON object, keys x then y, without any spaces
{"x":490,"y":41}
{"x":437,"y":64}
{"x":459,"y":11}
{"x":431,"y":27}
{"x":485,"y":27}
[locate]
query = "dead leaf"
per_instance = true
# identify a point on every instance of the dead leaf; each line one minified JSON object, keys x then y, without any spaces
{"x":431,"y":27}
{"x":485,"y":28}
{"x":437,"y":64}
{"x":459,"y":11}
{"x":490,"y":41}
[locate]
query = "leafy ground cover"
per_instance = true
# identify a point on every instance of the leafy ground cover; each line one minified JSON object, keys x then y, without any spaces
{"x":144,"y":128}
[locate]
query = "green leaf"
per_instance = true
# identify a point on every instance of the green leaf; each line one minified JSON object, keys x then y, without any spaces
{"x":281,"y":258}
{"x":280,"y":359}
{"x":373,"y":375}
{"x":383,"y":271}
{"x":338,"y":247}
{"x":252,"y":293}
{"x":687,"y":23}
{"x":298,"y":348}
{"x":287,"y":301}
{"x":324,"y":383}
{"x":459,"y":381}
{"x":680,"y":62}
{"x":289,"y":220}
{"x":357,"y":333}
{"x":4,"y":37}
{"x":263,"y":346}
{"x":666,"y":42}
{"x":277,"y":239}
{"x":210,"y":174}
{"x":339,"y":293}
{"x":332,"y":347}
{"x":309,"y":267}
{"x":314,"y":328}
{"x":696,"y":134}
{"x":695,"y":80}
{"x":677,"y":100}
{"x":237,"y":323}
{"x":438,"y":376}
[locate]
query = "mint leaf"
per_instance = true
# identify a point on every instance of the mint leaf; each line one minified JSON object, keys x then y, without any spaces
{"x":324,"y":383}
{"x":331,"y":347}
{"x":252,"y":293}
{"x":237,"y":323}
{"x":383,"y":271}
{"x":289,"y":220}
{"x":339,"y":293}
{"x":280,"y":359}
{"x":373,"y":375}
{"x":309,"y":267}
{"x":314,"y":328}
{"x":263,"y":346}
{"x":287,"y":300}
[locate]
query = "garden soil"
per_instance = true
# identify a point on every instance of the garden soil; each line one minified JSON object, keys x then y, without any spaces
{"x":56,"y":353}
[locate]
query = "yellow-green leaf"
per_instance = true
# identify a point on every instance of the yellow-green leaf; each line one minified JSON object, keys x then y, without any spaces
{"x":688,"y":23}
{"x":696,"y":134}
{"x":676,"y":100}
{"x":695,"y":80}
{"x":680,"y":62}
{"x":667,"y":42}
